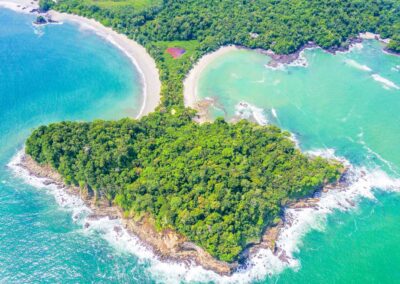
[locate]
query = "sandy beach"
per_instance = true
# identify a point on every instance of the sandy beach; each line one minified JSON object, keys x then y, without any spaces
{"x":136,"y":53}
{"x":22,"y":6}
{"x":191,"y":80}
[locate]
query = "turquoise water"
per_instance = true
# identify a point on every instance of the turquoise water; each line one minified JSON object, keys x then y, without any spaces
{"x":58,"y":72}
{"x":50,"y":74}
{"x":348,"y":103}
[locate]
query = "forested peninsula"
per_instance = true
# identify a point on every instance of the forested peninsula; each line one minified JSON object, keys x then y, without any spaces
{"x":220,"y":185}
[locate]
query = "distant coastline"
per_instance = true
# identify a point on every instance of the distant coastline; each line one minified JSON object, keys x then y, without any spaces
{"x":134,"y":51}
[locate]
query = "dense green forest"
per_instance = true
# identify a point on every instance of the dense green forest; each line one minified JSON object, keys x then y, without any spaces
{"x":217,"y":183}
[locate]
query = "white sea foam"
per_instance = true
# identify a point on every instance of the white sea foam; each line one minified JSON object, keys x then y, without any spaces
{"x":295,"y":140}
{"x":277,"y":67}
{"x":386,"y":83}
{"x":274,"y":113}
{"x":63,"y":198}
{"x":247,"y":111}
{"x":352,"y":48}
{"x":356,"y":46}
{"x":361,"y":183}
{"x":357,"y":65}
{"x":301,"y":61}
{"x":38,"y":31}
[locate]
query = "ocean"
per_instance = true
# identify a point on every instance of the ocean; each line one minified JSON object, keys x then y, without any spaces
{"x":343,"y":106}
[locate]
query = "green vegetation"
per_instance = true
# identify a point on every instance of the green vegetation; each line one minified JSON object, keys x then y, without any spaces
{"x":394,"y":44}
{"x":113,"y":5}
{"x":219,"y":184}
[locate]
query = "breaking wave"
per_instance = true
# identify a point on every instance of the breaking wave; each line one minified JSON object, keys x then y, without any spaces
{"x":386,"y":83}
{"x":357,"y":65}
{"x":244,"y":110}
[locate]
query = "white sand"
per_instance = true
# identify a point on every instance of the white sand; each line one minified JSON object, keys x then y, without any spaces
{"x":136,"y":53}
{"x":24,"y":6}
{"x":190,"y":83}
{"x":368,"y":35}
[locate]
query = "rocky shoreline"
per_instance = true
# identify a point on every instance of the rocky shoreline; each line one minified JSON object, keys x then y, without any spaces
{"x":203,"y":106}
{"x":279,"y":59}
{"x":168,"y":245}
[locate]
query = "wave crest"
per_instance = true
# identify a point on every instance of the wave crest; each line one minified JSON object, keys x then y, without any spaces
{"x":244,"y":110}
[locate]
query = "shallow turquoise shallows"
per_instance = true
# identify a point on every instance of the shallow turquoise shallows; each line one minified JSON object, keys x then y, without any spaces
{"x":350,"y":103}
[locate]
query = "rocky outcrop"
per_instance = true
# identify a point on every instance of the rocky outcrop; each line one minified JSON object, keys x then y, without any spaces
{"x":168,"y":244}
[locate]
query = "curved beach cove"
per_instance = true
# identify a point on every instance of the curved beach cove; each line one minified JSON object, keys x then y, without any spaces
{"x":344,"y":105}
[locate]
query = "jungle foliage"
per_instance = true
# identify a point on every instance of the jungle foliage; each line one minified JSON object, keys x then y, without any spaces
{"x":218,"y":184}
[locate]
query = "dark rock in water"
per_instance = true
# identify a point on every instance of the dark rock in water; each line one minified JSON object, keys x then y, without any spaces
{"x":283,"y":257}
{"x":87,"y":225}
{"x":117,"y":229}
{"x":40,"y":20}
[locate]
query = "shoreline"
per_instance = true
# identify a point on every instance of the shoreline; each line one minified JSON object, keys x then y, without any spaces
{"x":169,"y":246}
{"x":191,"y":79}
{"x":137,"y":54}
{"x":166,"y":246}
{"x":190,"y":83}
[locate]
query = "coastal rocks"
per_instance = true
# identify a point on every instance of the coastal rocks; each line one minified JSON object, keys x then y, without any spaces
{"x":171,"y":246}
{"x":40,"y":20}
{"x":43,"y":19}
{"x":203,"y":109}
{"x":167,"y":244}
{"x":279,"y":60}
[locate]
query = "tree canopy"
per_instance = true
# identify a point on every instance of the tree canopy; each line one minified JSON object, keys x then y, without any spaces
{"x":218,"y":184}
